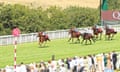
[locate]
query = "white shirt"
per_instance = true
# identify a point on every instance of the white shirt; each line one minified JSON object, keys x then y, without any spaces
{"x":62,"y":69}
{"x":23,"y":68}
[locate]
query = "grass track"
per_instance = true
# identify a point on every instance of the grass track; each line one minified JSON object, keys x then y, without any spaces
{"x":31,"y":52}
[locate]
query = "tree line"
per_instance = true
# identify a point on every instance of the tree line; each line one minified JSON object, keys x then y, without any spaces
{"x":30,"y":19}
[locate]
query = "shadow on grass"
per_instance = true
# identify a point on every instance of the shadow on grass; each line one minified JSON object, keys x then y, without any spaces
{"x":43,"y":47}
{"x":74,"y":43}
{"x":87,"y":44}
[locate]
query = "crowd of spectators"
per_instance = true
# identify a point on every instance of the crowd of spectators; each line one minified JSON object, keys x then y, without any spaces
{"x":104,"y":62}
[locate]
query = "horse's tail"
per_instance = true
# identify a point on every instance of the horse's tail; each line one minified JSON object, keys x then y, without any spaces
{"x":93,"y":38}
{"x":48,"y":39}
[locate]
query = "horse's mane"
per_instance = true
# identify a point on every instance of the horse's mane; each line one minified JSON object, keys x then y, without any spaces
{"x":39,"y":34}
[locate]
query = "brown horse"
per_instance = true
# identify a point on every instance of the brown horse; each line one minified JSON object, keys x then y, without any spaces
{"x":74,"y":34}
{"x":42,"y":38}
{"x":110,"y":32}
{"x":97,"y":32}
{"x":87,"y":36}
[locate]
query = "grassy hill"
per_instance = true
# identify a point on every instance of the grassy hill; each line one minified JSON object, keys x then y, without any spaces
{"x":61,"y":3}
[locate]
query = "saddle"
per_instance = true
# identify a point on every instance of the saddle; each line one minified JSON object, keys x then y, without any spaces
{"x":111,"y":30}
{"x":46,"y":36}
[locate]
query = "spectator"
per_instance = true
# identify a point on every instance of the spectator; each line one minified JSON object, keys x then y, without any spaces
{"x":62,"y":68}
{"x":68,"y":63}
{"x":23,"y":67}
{"x":118,"y":61}
{"x":114,"y":60}
{"x":18,"y":68}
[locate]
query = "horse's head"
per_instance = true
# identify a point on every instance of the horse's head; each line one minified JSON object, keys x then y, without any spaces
{"x":71,"y":31}
{"x":40,"y":34}
{"x":94,"y":27}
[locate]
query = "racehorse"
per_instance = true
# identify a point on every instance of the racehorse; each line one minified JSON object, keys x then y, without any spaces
{"x":97,"y":32}
{"x":110,"y":32}
{"x":87,"y":36}
{"x":74,"y":34}
{"x":42,"y":38}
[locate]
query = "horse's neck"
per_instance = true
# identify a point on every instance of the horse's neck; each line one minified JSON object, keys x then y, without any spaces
{"x":107,"y":29}
{"x":95,"y":28}
{"x":38,"y":34}
{"x":71,"y":31}
{"x":42,"y":39}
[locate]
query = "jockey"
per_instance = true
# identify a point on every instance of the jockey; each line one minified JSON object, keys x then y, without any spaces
{"x":97,"y":26}
{"x":44,"y":34}
{"x":88,"y":30}
{"x":109,"y":26}
{"x":75,"y":29}
{"x":106,"y":26}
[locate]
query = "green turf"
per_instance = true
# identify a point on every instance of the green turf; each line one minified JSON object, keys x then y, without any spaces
{"x":31,"y":52}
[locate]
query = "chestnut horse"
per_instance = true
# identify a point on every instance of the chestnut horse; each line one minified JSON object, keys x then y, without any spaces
{"x":87,"y":36}
{"x":97,"y":32}
{"x":74,"y":34}
{"x":42,"y":38}
{"x":110,"y":32}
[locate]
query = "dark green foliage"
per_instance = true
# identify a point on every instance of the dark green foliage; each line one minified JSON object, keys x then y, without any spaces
{"x":113,"y":4}
{"x":81,"y":17}
{"x":53,"y":18}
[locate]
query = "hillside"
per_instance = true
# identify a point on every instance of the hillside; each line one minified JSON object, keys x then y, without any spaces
{"x":61,"y":3}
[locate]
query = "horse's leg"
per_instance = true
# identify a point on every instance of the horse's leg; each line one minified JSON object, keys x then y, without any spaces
{"x":106,"y":37}
{"x":97,"y":36}
{"x":93,"y":39}
{"x":40,"y":44}
{"x":112,"y":36}
{"x":69,"y":39}
{"x":44,"y":43}
{"x":39,"y":41}
{"x":78,"y":40}
{"x":90,"y":41}
{"x":48,"y":39}
{"x":100,"y":36}
{"x":109,"y":37}
{"x":86,"y":41}
{"x":82,"y":41}
{"x":72,"y":40}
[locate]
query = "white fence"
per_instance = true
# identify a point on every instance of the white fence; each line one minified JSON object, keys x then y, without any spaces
{"x":31,"y":37}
